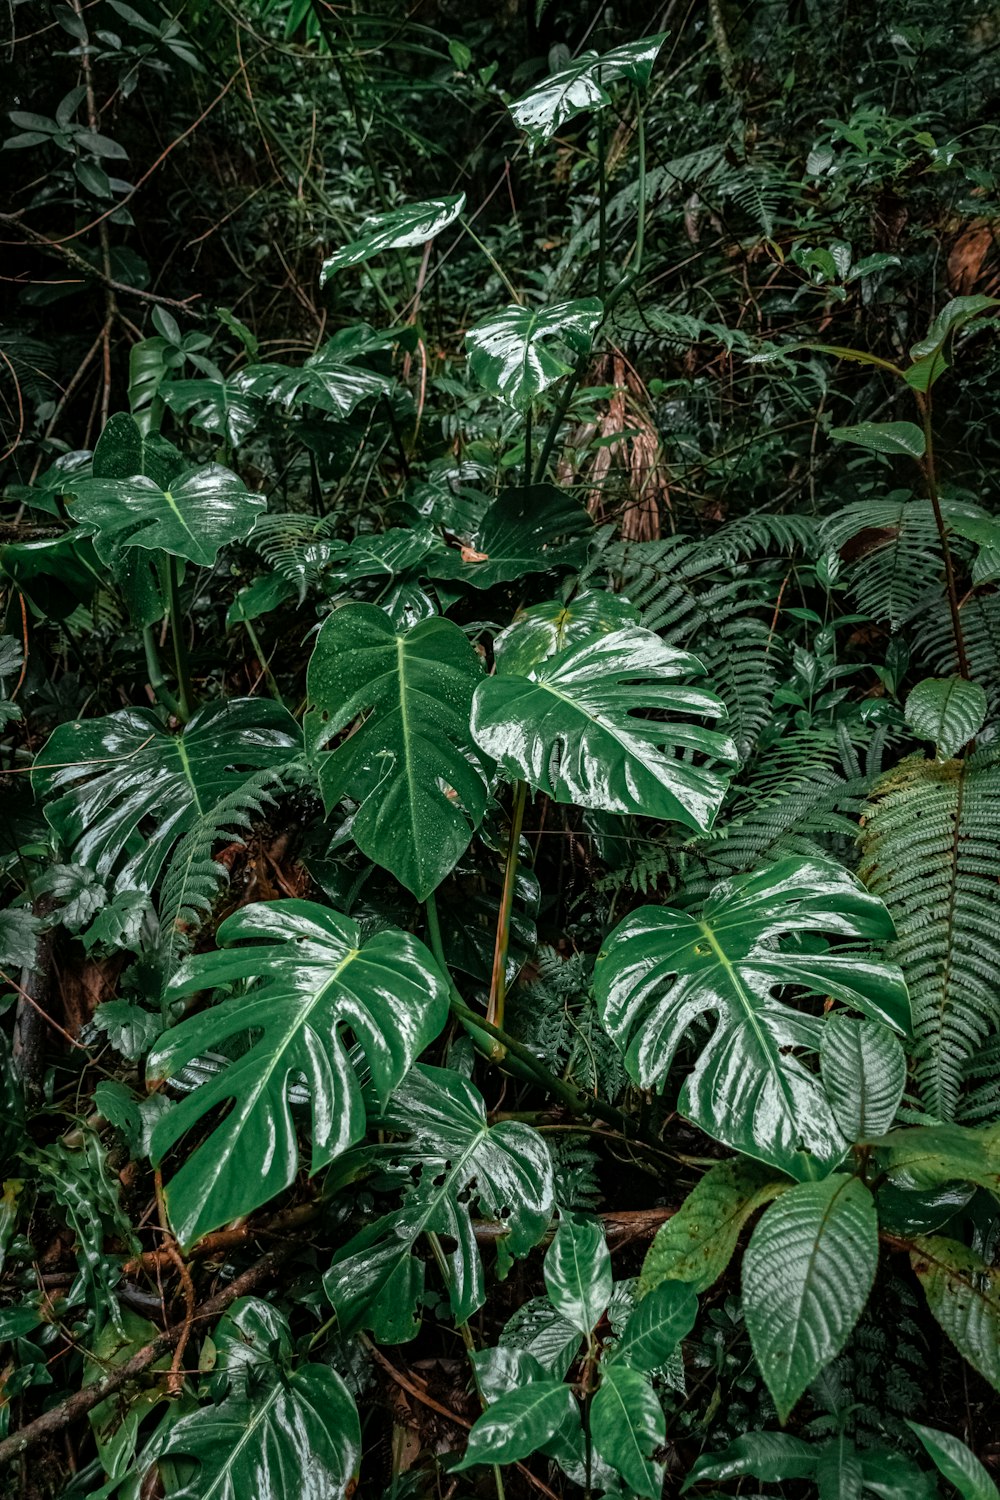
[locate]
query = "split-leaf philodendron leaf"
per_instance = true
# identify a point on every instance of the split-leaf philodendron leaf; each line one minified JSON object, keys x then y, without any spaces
{"x":511,"y":352}
{"x":584,"y":84}
{"x":398,"y":229}
{"x":198,"y":514}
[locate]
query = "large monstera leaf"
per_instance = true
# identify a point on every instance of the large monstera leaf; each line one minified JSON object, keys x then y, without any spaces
{"x":305,"y":978}
{"x":399,"y":229}
{"x":524,"y":531}
{"x":450,"y":1161}
{"x":511,"y":353}
{"x":572,"y":727}
{"x":583,"y":85}
{"x":411,"y":763}
{"x":194,"y":517}
{"x":120,"y":791}
{"x":327,"y":381}
{"x":281,"y":1430}
{"x":661,"y":971}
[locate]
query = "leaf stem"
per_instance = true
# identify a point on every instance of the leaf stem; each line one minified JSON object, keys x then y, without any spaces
{"x":930,"y":475}
{"x":514,"y":296}
{"x":154,"y":669}
{"x":182,"y":666}
{"x":498,"y":982}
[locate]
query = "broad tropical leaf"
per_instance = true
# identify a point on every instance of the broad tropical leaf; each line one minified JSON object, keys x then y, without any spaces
{"x":572,"y":729}
{"x":311,"y":978}
{"x":544,"y":630}
{"x":413,"y":224}
{"x":201,"y":512}
{"x":771,"y":1457}
{"x":696,"y":1244}
{"x":863,"y":1068}
{"x":278,"y":1432}
{"x":661,"y":970}
{"x":410,"y":763}
{"x":628,"y":1427}
{"x":217,"y":406}
{"x":578,"y":1272}
{"x":963,"y":1293}
{"x":904,"y":438}
{"x":120,"y":791}
{"x":931,"y":355}
{"x":656,"y":1326}
{"x":949,"y":711}
{"x":958,"y":1465}
{"x":510,"y":352}
{"x":520,"y":1423}
{"x":928,"y":1156}
{"x":524,"y":531}
{"x":327,"y":381}
{"x":543,"y":110}
{"x":449,"y":1161}
{"x":807,"y":1274}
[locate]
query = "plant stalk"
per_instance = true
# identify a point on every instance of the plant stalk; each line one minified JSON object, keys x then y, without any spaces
{"x":930,"y":475}
{"x":498,"y":982}
{"x":154,"y":669}
{"x":182,"y":666}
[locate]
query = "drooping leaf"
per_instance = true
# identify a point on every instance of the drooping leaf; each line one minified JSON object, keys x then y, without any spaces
{"x":628,"y":1427}
{"x":884,"y":437}
{"x":543,"y":630}
{"x":584,"y":84}
{"x":524,"y":531}
{"x":931,"y":355}
{"x":929,"y":1156}
{"x":660,"y":970}
{"x":278,"y":1432}
{"x":398,"y":229}
{"x":578,"y":1272}
{"x":948,"y":711}
{"x":520,"y":1423}
{"x":201,"y":512}
{"x":863,"y":1068}
{"x":771,"y":1457}
{"x":120,"y":791}
{"x":959,"y":1466}
{"x":807,"y":1274}
{"x":572,"y":729}
{"x":963,"y":1293}
{"x":448,"y":1160}
{"x":410,"y":763}
{"x":310,"y":978}
{"x":511,"y":353}
{"x":656,"y":1326}
{"x":696,"y":1244}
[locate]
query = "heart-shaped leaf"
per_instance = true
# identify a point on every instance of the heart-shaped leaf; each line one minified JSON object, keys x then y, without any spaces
{"x":661,"y":970}
{"x":413,"y":224}
{"x":510,"y":351}
{"x":807,"y":1273}
{"x":201,"y":512}
{"x":583,"y":85}
{"x":949,"y":711}
{"x":863,"y":1068}
{"x":524,"y":531}
{"x":410,"y":762}
{"x":572,"y":728}
{"x":310,"y":978}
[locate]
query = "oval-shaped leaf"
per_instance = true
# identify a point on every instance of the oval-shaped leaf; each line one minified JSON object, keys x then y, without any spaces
{"x":963,"y":1293}
{"x":807,"y":1273}
{"x":583,"y":85}
{"x":696,"y":1244}
{"x":884,"y":437}
{"x":410,"y":761}
{"x":949,"y":711}
{"x":957,"y":1463}
{"x":520,"y":1423}
{"x":771,"y":1457}
{"x":510,"y":352}
{"x":398,"y":229}
{"x":571,"y":728}
{"x":628,"y":1428}
{"x":577,"y":1270}
{"x":310,"y":979}
{"x":201,"y":512}
{"x":657,"y":1325}
{"x":863,"y":1068}
{"x":928,"y":1156}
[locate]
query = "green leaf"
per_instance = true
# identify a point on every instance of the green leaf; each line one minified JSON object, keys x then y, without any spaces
{"x":884,"y":437}
{"x":661,"y":970}
{"x":410,"y":762}
{"x":863,"y":1068}
{"x":310,"y":979}
{"x":894,"y":1476}
{"x":450,"y":1159}
{"x":571,"y":728}
{"x":217,"y":406}
{"x":277,"y":1433}
{"x":931,"y":355}
{"x":543,"y":110}
{"x":19,"y":933}
{"x":963,"y":1293}
{"x":123,"y":449}
{"x":520,"y":1423}
{"x":930,"y":1155}
{"x":524,"y":531}
{"x":807,"y":1273}
{"x":949,"y":711}
{"x":578,"y":1272}
{"x":959,"y":1466}
{"x":696,"y":1244}
{"x":654,"y":1329}
{"x":120,"y":791}
{"x":202,"y":511}
{"x":327,"y":381}
{"x":538,"y":1330}
{"x":628,"y":1427}
{"x":413,"y":224}
{"x":544,"y":630}
{"x":771,"y":1457}
{"x":510,"y":353}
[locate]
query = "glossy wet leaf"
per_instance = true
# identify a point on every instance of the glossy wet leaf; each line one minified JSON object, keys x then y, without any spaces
{"x":278,"y":1431}
{"x":539,"y":1330}
{"x":304,"y":977}
{"x":956,"y":1463}
{"x":572,"y":728}
{"x":771,"y":1457}
{"x":661,"y":970}
{"x":897,"y":438}
{"x":216,"y":406}
{"x":544,"y":630}
{"x":583,"y":85}
{"x":928,"y":1156}
{"x":447,"y":1161}
{"x":656,"y":1326}
{"x":807,"y":1273}
{"x":120,"y":791}
{"x":523,"y":531}
{"x":328,"y":381}
{"x":577,"y":1271}
{"x":511,"y":352}
{"x":201,"y":512}
{"x":628,"y":1427}
{"x":410,"y":761}
{"x":398,"y":229}
{"x":933,"y":354}
{"x":863,"y":1068}
{"x":520,"y":1423}
{"x":696,"y":1244}
{"x":963,"y":1293}
{"x":949,"y":711}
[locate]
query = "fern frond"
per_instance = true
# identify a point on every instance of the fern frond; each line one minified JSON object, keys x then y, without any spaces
{"x":930,"y":850}
{"x":894,"y":565}
{"x":934,"y":642}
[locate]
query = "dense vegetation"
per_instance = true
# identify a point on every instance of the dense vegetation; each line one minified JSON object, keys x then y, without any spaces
{"x":500,"y":794}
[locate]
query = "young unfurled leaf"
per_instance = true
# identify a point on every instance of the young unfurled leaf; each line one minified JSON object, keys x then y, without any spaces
{"x":949,"y":711}
{"x":511,"y":353}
